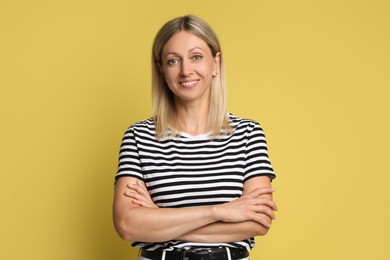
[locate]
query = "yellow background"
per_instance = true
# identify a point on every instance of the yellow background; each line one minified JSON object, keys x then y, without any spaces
{"x":75,"y":74}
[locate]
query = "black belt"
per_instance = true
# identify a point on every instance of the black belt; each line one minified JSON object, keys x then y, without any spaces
{"x":219,"y":253}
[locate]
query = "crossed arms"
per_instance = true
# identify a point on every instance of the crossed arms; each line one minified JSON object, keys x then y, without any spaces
{"x":137,"y":218}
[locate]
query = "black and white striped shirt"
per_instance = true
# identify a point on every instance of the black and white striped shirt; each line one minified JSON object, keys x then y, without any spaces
{"x":189,"y":171}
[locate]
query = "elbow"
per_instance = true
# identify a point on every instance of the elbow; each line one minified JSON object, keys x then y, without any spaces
{"x":125,"y":236}
{"x":124,"y":231}
{"x":127,"y":231}
{"x":263,"y":231}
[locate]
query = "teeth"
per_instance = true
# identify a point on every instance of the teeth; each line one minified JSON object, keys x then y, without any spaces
{"x":188,"y":83}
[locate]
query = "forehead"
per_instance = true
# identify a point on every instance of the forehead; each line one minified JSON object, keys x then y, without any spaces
{"x":183,"y":42}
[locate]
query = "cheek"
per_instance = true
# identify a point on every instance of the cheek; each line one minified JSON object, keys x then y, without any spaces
{"x":170,"y":79}
{"x":170,"y":75}
{"x":207,"y":71}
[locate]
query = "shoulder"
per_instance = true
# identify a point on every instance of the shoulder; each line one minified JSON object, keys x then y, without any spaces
{"x":142,"y":127}
{"x":147,"y":123}
{"x":240,"y":123}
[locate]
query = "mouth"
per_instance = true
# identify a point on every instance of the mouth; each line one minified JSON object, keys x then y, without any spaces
{"x":188,"y":83}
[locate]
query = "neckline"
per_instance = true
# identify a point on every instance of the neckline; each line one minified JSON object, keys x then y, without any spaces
{"x":199,"y":136}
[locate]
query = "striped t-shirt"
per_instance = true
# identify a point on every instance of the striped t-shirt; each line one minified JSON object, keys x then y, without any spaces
{"x":190,"y":171}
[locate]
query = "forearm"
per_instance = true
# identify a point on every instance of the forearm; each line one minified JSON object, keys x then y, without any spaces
{"x":231,"y":232}
{"x":162,"y":224}
{"x":137,"y":218}
{"x":222,"y":232}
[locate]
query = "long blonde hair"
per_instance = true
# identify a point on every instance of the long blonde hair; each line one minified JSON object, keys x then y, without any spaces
{"x":164,"y":112}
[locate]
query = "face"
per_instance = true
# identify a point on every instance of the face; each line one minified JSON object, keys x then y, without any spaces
{"x":188,"y":67}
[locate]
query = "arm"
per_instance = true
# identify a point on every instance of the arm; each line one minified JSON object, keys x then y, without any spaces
{"x":150,"y":224}
{"x":228,"y":228}
{"x":221,"y":232}
{"x":230,"y":232}
{"x":137,"y":223}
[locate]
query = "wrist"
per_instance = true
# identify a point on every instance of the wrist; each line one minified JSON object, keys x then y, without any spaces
{"x":216,"y":213}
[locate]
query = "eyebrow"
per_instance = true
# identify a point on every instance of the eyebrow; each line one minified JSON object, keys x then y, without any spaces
{"x":190,"y":50}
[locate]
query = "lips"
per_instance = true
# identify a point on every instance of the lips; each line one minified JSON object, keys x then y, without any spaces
{"x":189,"y":83}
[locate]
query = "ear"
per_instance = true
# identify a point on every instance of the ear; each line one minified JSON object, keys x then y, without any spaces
{"x":160,"y":69}
{"x":217,"y":64}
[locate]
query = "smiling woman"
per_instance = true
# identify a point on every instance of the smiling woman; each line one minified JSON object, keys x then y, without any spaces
{"x":193,"y":182}
{"x":188,"y":67}
{"x":163,"y":99}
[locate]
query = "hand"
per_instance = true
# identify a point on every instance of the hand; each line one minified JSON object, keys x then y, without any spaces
{"x":249,"y":207}
{"x":140,"y":194}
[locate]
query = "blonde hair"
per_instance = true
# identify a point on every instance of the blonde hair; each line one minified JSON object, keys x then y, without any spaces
{"x":164,"y":112}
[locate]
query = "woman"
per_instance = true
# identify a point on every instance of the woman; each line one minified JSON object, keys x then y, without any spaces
{"x":193,"y":182}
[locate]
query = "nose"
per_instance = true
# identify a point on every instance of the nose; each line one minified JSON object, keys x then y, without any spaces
{"x":185,"y":69}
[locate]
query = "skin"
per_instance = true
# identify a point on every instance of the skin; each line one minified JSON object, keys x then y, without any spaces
{"x":188,"y":67}
{"x":136,"y":217}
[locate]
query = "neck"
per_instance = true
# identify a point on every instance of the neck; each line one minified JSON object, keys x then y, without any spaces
{"x":192,"y":119}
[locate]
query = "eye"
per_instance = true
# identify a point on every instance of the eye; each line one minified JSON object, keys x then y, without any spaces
{"x":172,"y":61}
{"x":197,"y":57}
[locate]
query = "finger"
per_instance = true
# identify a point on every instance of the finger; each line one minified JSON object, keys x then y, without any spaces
{"x":265,"y":210}
{"x":261,"y":220}
{"x":142,"y":184}
{"x":146,"y":199}
{"x":260,"y":191}
{"x":136,"y":195}
{"x":137,"y":202}
{"x":137,"y":199}
{"x":136,"y":188}
{"x":133,"y":194}
{"x":141,"y":189}
{"x":265,"y":201}
{"x":144,"y":203}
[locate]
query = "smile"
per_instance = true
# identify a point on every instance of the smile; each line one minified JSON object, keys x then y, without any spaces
{"x":189,"y":83}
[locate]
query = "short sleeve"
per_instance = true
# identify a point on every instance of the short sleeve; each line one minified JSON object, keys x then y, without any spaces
{"x":257,"y":161}
{"x":129,"y":163}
